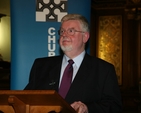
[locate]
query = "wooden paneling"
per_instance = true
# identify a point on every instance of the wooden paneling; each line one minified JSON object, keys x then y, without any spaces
{"x":131,"y":46}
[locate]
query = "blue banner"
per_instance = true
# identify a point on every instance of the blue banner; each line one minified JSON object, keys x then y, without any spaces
{"x":34,"y":27}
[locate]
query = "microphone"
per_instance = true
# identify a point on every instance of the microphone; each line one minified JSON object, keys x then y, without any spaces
{"x":52,"y":83}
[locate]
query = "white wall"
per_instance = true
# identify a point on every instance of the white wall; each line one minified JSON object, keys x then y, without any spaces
{"x":5,"y":38}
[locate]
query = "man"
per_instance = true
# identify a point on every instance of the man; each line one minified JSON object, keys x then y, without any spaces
{"x":94,"y":87}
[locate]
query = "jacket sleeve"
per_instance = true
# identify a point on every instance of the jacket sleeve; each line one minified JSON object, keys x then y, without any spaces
{"x":110,"y":101}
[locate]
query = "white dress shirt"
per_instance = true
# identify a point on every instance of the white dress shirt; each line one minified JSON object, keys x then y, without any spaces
{"x":77,"y":62}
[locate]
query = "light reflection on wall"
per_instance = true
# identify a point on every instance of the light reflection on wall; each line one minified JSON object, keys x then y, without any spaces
{"x":5,"y":38}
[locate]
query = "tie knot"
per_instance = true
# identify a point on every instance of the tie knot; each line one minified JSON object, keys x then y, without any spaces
{"x":70,"y":61}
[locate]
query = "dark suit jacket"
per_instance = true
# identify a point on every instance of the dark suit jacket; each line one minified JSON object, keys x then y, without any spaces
{"x":95,"y":83}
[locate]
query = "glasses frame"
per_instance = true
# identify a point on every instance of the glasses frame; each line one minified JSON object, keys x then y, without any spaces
{"x":67,"y":31}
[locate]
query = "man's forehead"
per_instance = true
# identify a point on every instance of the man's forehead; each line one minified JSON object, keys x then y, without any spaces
{"x":71,"y":24}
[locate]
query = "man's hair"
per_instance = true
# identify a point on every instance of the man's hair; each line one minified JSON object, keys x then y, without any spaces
{"x":83,"y":21}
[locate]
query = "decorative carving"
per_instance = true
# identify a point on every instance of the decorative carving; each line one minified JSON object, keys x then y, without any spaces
{"x":110,"y":4}
{"x":135,"y":1}
{"x":110,"y":42}
{"x":133,"y":13}
{"x":107,"y":4}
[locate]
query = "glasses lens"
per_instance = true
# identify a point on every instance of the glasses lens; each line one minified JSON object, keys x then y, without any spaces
{"x":70,"y":31}
{"x":60,"y":32}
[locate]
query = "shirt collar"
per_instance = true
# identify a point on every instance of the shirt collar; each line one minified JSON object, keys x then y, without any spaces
{"x":77,"y":60}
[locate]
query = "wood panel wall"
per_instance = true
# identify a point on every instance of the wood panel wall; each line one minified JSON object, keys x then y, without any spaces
{"x":131,"y":45}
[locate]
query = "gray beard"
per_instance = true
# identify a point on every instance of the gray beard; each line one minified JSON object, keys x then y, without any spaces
{"x":66,"y":48}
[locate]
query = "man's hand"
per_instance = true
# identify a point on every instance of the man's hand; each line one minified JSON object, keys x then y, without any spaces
{"x":79,"y":107}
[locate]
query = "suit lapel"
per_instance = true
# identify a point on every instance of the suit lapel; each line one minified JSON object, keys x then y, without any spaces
{"x":54,"y":75}
{"x":80,"y":77}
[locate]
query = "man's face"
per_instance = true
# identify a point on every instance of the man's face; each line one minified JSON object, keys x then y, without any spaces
{"x":75,"y":42}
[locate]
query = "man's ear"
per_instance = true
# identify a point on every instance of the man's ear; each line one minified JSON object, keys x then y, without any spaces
{"x":86,"y":36}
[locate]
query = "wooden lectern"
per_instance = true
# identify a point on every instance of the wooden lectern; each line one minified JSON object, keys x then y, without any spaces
{"x":33,"y":101}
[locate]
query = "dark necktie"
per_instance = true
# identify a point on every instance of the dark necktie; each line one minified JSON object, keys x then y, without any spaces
{"x":66,"y":79}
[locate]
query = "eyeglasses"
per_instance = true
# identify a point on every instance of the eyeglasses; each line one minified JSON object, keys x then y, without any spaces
{"x":70,"y":31}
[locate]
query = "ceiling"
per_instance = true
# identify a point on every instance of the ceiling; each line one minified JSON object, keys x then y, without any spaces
{"x":5,"y":7}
